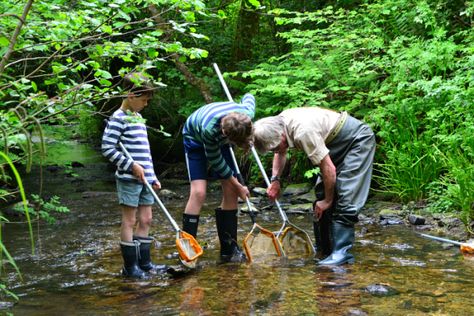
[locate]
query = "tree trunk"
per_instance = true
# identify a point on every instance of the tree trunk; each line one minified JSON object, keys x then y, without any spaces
{"x":247,"y":28}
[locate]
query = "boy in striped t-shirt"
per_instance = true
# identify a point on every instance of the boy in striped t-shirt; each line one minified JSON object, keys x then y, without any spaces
{"x":127,"y":126}
{"x":207,"y":135}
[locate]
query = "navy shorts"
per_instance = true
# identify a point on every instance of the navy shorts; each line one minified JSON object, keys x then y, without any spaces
{"x":196,"y":161}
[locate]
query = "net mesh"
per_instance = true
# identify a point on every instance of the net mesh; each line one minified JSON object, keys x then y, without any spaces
{"x":261,"y":245}
{"x":295,"y":243}
{"x":188,"y":248}
{"x":185,"y":245}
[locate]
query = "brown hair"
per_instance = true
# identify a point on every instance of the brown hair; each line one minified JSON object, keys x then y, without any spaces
{"x":238,"y":128}
{"x":137,"y":83}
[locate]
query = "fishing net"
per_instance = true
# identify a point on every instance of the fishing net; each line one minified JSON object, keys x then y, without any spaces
{"x":261,"y":245}
{"x":188,"y":248}
{"x":296,"y":242}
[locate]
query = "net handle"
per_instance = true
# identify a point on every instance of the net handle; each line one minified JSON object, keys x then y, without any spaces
{"x":229,"y":96}
{"x":241,"y":181}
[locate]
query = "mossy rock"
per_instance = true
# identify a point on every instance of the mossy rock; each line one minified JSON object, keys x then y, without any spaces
{"x":297,"y":189}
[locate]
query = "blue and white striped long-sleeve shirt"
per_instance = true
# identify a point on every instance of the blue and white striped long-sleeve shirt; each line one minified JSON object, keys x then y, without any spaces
{"x":132,"y":133}
{"x":204,"y":127}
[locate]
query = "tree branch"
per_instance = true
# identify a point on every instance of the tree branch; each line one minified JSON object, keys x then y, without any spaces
{"x":189,"y":76}
{"x":14,"y":37}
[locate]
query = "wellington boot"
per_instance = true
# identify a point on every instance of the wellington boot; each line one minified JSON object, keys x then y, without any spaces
{"x":322,"y":235}
{"x":237,"y":256}
{"x":144,"y":260}
{"x":190,"y":224}
{"x":130,"y":254}
{"x":226,"y":222}
{"x":343,"y":239}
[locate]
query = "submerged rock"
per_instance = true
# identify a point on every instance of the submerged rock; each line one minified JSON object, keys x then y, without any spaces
{"x":6,"y":305}
{"x":379,"y":289}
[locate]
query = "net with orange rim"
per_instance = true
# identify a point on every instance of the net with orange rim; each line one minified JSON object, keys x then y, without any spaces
{"x":467,"y":249}
{"x":261,"y":245}
{"x":188,"y":247}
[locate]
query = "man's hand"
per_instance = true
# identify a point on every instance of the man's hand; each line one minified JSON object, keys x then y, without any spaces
{"x":273,"y":190}
{"x":138,"y":172}
{"x":320,"y":207}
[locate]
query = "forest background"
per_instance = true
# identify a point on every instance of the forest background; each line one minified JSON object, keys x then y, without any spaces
{"x":406,"y":67}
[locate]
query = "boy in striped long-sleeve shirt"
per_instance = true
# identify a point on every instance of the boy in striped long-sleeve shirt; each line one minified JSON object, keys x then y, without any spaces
{"x":207,"y":135}
{"x":127,"y":126}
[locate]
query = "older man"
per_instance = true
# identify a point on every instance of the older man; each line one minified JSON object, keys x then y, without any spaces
{"x":343,"y":148}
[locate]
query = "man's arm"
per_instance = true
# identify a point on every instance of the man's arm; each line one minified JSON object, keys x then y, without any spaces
{"x":328,"y":173}
{"x":279,"y":161}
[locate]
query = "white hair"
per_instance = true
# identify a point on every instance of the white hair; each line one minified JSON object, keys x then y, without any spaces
{"x":267,"y":133}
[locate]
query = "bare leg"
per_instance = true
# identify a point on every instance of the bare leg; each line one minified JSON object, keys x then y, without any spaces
{"x":229,"y":196}
{"x":144,"y":220}
{"x":197,"y":197}
{"x":128,"y":223}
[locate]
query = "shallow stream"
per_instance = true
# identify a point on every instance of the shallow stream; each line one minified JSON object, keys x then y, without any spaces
{"x":75,"y":269}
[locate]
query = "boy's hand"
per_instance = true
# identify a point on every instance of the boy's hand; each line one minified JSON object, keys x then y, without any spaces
{"x":243,"y":192}
{"x":156,"y":185}
{"x":138,"y":172}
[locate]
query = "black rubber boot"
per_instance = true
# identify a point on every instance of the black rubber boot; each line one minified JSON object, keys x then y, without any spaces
{"x":226,"y":223}
{"x":130,"y":254}
{"x":343,"y":239}
{"x":144,"y":260}
{"x":322,"y":234}
{"x":190,"y":224}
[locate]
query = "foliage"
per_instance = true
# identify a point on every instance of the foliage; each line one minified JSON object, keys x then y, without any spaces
{"x":3,"y":249}
{"x":75,"y":63}
{"x":44,"y":210}
{"x":405,"y":67}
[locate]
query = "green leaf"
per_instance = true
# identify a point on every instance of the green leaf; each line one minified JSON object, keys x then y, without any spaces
{"x":4,"y":41}
{"x":255,"y":3}
{"x":152,"y":53}
{"x":103,"y":73}
{"x":107,"y":29}
{"x":105,"y":82}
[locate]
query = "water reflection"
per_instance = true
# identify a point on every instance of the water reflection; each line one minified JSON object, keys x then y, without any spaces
{"x":78,"y":261}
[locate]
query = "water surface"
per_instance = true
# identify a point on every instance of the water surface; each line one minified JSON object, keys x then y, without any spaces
{"x":75,"y":270}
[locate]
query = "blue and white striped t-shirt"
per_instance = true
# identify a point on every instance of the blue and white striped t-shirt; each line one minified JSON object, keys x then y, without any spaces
{"x":131,"y":132}
{"x":203,"y":127}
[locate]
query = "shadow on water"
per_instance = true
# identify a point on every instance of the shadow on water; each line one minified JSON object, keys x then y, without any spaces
{"x":76,"y":267}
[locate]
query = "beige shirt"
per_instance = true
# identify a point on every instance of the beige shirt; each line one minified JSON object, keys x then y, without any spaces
{"x":307,"y":128}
